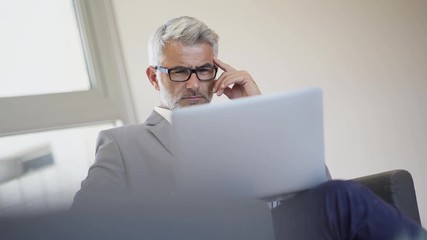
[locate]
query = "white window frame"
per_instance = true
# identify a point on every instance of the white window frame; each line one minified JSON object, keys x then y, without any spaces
{"x":107,"y":101}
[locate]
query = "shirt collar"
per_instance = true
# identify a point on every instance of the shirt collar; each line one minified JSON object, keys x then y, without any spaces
{"x":165,"y":113}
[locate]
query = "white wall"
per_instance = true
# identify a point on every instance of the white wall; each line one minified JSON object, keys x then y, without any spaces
{"x":370,"y":58}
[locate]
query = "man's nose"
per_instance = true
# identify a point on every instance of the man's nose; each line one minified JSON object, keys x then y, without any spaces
{"x":193,"y":82}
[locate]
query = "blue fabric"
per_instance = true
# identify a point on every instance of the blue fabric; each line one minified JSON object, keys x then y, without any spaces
{"x":341,"y":210}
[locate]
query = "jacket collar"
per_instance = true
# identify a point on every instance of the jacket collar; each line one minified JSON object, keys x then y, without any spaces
{"x":160,"y":128}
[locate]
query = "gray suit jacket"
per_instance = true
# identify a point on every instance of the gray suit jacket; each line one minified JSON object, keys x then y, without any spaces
{"x":131,"y":159}
{"x":138,"y":159}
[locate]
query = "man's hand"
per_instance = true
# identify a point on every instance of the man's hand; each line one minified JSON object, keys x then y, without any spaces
{"x":234,"y":83}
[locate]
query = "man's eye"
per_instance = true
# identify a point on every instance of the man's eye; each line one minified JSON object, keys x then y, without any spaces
{"x":180,"y":71}
{"x":205,"y":70}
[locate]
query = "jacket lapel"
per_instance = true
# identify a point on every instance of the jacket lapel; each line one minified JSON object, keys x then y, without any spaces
{"x":160,"y":128}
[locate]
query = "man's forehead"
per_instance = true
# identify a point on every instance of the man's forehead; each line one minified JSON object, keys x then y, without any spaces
{"x":191,"y":55}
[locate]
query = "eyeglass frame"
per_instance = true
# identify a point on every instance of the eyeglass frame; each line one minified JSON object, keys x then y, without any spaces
{"x":192,"y":70}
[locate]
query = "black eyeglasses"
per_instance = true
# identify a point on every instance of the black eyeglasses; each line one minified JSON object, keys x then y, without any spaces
{"x":182,"y":74}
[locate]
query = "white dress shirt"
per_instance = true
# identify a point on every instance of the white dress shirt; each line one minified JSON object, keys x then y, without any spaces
{"x":165,"y":113}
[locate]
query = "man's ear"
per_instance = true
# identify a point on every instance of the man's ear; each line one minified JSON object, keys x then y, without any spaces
{"x":152,"y":77}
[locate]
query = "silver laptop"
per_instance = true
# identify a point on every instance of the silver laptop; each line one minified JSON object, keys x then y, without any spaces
{"x":263,"y":146}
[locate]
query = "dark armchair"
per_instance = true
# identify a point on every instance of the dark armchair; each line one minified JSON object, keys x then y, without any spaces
{"x":395,"y":187}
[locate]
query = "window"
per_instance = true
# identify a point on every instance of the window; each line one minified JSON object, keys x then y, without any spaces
{"x":41,"y":172}
{"x":41,"y":49}
{"x":27,"y":108}
{"x":62,"y":81}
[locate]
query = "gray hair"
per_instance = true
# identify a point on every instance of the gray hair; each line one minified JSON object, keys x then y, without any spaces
{"x":186,"y":30}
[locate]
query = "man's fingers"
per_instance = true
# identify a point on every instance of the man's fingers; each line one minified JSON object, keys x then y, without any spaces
{"x":228,"y":78}
{"x":222,"y":82}
{"x":227,"y":92}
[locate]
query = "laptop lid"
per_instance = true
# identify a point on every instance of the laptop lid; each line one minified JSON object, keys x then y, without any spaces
{"x":262,"y":146}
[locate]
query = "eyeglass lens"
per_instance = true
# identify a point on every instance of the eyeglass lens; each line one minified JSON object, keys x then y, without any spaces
{"x":183,"y":74}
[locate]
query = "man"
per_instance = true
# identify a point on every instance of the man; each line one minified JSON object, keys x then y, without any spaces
{"x":137,"y":158}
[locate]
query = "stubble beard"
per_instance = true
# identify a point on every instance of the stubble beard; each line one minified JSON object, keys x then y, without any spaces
{"x":173,"y":102}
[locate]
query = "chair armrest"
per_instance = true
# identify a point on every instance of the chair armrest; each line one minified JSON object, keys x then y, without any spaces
{"x":395,"y":187}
